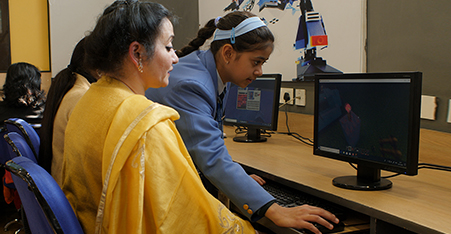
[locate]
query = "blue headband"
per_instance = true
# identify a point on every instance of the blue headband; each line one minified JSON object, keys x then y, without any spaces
{"x":245,"y":26}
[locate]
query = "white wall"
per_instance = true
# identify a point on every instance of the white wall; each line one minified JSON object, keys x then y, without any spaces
{"x":344,"y":20}
{"x":69,"y":22}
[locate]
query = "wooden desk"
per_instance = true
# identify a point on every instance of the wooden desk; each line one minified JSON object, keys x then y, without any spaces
{"x":421,"y":203}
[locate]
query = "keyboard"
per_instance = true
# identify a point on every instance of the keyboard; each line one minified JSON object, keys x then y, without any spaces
{"x":288,"y":197}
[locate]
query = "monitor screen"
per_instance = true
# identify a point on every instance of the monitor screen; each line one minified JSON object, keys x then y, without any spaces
{"x":369,"y":119}
{"x":255,"y":107}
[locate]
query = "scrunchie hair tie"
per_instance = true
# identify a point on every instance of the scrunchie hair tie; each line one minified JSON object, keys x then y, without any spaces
{"x":217,"y":20}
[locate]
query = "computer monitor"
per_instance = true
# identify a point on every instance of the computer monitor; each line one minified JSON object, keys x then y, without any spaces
{"x":255,"y":107}
{"x":368,"y":119}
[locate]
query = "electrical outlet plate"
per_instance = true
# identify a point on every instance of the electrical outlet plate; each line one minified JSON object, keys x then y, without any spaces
{"x":300,"y":97}
{"x":428,"y":107}
{"x":286,"y":90}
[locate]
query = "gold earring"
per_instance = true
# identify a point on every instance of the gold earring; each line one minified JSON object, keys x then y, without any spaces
{"x":140,"y":65}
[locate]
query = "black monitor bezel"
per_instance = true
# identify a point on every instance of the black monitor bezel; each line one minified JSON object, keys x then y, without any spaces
{"x":411,"y":167}
{"x":275,"y":106}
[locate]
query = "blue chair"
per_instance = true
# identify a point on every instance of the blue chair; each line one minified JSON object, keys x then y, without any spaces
{"x":46,"y":207}
{"x":5,"y":155}
{"x":19,"y":146}
{"x":27,"y":131}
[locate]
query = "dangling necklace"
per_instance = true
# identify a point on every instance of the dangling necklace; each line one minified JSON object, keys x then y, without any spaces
{"x":124,"y":84}
{"x":128,"y":86}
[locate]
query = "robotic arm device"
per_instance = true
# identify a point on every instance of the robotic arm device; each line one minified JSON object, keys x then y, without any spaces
{"x":311,"y":34}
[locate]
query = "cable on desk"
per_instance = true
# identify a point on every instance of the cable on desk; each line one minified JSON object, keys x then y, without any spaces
{"x":240,"y":130}
{"x":425,"y":166}
{"x":286,"y":118}
{"x":304,"y":140}
{"x":433,"y":166}
{"x":420,"y":166}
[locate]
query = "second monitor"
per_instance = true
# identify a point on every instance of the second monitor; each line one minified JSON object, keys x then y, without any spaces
{"x":369,"y":119}
{"x":255,"y":107}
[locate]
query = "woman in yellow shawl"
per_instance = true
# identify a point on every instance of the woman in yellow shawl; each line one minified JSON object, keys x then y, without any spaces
{"x":126,"y":169}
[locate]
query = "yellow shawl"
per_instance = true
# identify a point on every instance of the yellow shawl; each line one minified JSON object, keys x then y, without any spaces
{"x":150,"y":184}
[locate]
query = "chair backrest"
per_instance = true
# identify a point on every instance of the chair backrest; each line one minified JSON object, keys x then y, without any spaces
{"x":27,"y":131}
{"x":46,"y":207}
{"x":4,"y":151}
{"x":19,"y":146}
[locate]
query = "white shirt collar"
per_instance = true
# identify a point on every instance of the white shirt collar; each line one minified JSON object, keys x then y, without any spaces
{"x":221,"y":85}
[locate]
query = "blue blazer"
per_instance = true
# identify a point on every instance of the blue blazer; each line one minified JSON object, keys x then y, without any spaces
{"x":193,"y":92}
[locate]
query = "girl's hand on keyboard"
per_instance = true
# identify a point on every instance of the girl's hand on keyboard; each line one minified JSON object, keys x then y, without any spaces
{"x":300,"y":217}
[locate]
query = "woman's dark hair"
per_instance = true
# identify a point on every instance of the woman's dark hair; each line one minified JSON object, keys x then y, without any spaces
{"x":22,"y":86}
{"x":254,"y":40}
{"x":61,"y":84}
{"x":122,"y":23}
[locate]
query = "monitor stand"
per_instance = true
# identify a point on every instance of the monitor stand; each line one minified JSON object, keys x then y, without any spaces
{"x":367,"y":178}
{"x":253,"y":135}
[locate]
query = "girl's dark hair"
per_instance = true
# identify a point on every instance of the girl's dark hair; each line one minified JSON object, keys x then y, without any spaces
{"x":122,"y":23}
{"x":61,"y":84}
{"x":254,"y":40}
{"x":23,"y":86}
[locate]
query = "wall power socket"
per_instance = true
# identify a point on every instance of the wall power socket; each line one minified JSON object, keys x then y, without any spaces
{"x":300,"y":97}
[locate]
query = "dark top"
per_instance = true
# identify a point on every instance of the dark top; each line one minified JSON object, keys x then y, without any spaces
{"x":32,"y":115}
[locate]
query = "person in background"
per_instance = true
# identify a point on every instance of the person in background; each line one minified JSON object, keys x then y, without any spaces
{"x":126,"y":169}
{"x":22,"y":94}
{"x":68,"y":86}
{"x":241,"y":44}
{"x":24,"y":99}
